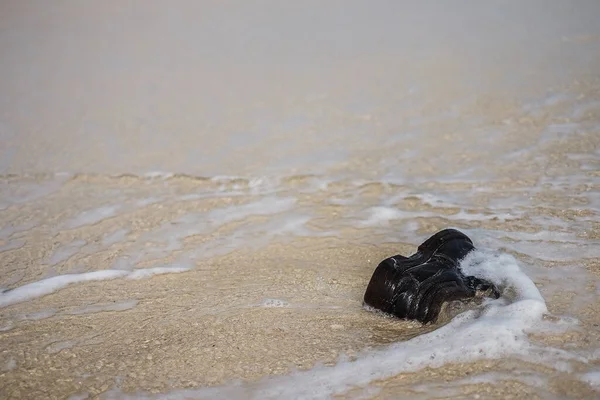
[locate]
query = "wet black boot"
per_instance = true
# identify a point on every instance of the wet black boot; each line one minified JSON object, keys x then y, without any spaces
{"x":416,"y":287}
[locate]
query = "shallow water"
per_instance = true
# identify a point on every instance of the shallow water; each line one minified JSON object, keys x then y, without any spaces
{"x":194,"y":198}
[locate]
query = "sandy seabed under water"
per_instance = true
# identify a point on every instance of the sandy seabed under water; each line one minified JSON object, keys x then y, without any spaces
{"x":239,"y":272}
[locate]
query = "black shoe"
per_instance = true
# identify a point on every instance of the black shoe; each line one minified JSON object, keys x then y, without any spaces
{"x":416,"y":287}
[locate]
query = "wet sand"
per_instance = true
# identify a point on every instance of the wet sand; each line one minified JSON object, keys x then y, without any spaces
{"x":274,"y":305}
{"x":189,"y":217}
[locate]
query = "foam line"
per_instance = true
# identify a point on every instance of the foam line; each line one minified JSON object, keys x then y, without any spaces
{"x":50,"y":285}
{"x":148,"y":272}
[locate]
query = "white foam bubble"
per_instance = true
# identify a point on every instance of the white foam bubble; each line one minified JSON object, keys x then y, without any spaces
{"x":503,"y":271}
{"x":148,"y":272}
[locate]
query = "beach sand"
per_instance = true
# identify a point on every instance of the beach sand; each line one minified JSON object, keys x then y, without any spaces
{"x":194,"y":196}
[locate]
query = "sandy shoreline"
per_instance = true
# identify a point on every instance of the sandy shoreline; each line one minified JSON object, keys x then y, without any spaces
{"x":266,"y":308}
{"x":193,"y":196}
{"x":184,"y":333}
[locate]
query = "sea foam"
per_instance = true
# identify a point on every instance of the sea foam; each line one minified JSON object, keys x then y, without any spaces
{"x":53,"y":284}
{"x":50,"y":285}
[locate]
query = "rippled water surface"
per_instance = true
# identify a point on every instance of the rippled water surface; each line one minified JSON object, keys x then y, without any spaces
{"x":194,"y":197}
